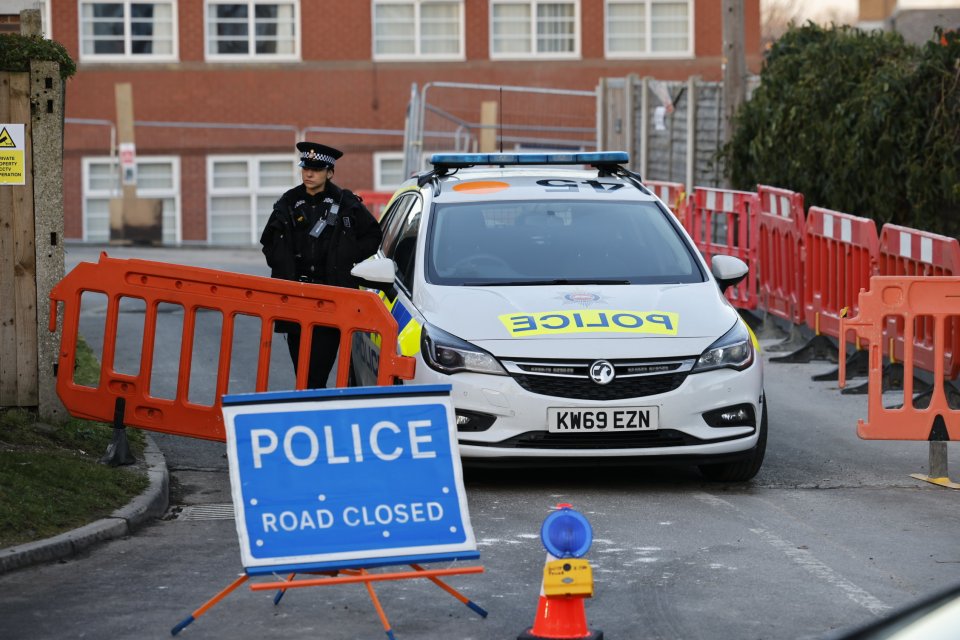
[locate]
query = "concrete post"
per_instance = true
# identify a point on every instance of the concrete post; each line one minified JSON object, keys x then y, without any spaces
{"x":46,"y":131}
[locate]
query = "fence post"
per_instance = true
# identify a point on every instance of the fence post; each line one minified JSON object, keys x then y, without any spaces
{"x":692,"y":82}
{"x":644,"y":125}
{"x":47,"y":91}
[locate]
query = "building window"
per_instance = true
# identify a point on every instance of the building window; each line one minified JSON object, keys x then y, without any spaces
{"x":10,"y":16}
{"x":128,"y":30}
{"x":537,"y":28}
{"x":425,"y":29}
{"x":387,"y":170}
{"x":157,"y":177}
{"x":648,"y":29}
{"x":241,"y":192}
{"x":252,"y":30}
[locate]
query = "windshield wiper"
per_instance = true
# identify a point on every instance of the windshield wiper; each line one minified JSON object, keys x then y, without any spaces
{"x":536,"y":283}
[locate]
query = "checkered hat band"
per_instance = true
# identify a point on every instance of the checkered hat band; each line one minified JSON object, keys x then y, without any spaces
{"x":317,"y":157}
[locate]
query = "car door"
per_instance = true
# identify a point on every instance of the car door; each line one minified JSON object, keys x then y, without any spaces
{"x":400,"y":226}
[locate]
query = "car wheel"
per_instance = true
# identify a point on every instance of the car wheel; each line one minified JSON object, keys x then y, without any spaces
{"x":744,"y":469}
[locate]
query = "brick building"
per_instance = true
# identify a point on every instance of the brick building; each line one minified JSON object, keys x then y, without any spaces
{"x":222,"y":89}
{"x":913,"y":19}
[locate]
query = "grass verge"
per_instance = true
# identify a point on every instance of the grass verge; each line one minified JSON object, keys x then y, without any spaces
{"x":51,"y":479}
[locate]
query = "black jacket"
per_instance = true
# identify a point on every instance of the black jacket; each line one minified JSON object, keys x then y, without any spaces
{"x":293,"y":254}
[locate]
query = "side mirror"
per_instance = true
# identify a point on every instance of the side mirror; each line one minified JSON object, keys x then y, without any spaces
{"x":377,"y":273}
{"x":728,"y":270}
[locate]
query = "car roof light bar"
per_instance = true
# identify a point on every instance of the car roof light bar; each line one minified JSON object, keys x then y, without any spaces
{"x":595,"y":159}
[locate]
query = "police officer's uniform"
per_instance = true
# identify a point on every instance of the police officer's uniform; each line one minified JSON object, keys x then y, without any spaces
{"x":318,"y":239}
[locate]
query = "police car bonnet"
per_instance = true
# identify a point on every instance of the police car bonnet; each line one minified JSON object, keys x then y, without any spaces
{"x":314,"y":155}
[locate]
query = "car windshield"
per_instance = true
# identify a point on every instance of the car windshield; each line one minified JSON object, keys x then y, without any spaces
{"x":558,"y":242}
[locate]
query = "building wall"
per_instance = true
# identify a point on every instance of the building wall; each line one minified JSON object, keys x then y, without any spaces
{"x":334,"y":85}
{"x":917,"y":26}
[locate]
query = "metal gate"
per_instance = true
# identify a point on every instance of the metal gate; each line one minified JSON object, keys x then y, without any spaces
{"x":453,"y":116}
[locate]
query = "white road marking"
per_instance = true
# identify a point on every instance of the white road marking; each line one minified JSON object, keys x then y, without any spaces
{"x":807,"y":561}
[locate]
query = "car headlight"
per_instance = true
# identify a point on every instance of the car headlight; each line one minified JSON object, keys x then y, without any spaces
{"x":734,"y":350}
{"x":447,"y":353}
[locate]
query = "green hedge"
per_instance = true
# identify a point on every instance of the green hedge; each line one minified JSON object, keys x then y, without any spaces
{"x":16,"y":52}
{"x":858,"y":122}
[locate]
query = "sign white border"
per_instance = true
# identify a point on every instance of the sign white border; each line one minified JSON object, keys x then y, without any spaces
{"x":400,"y":555}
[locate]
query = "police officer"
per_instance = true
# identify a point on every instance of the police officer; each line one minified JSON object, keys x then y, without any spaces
{"x":317,"y":233}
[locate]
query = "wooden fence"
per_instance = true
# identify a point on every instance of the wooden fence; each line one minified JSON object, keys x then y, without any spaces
{"x":18,"y":283}
{"x":31,"y":233}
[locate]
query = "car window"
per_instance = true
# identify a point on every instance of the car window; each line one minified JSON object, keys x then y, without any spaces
{"x":404,"y":254}
{"x":392,"y":220}
{"x":499,"y":242}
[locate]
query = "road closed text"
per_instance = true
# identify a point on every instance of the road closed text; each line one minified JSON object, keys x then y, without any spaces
{"x":352,"y":516}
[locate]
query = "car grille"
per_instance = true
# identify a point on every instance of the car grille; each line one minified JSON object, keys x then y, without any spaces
{"x":570,"y":379}
{"x":639,"y":440}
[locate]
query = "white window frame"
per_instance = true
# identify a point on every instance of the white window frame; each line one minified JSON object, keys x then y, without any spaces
{"x":648,"y":54}
{"x":533,"y":53}
{"x":128,"y":56}
{"x":417,"y":55}
{"x":116,"y":191}
{"x":252,"y":191}
{"x":252,"y":55}
{"x":378,"y":158}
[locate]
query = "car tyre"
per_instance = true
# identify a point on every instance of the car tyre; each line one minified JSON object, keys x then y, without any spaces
{"x":742,"y":470}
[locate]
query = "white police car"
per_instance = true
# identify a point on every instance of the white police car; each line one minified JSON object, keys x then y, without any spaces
{"x":571,"y":313}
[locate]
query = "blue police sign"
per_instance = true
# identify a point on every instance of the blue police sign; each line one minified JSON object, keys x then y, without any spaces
{"x":356,"y":477}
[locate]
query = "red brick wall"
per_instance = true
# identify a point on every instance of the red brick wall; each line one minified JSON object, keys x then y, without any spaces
{"x":193,"y":196}
{"x":335,"y":85}
{"x":10,"y":23}
{"x":72,"y":197}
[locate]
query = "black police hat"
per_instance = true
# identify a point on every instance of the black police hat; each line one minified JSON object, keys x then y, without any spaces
{"x":314,"y":155}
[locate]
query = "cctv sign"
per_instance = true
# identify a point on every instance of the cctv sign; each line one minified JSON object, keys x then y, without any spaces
{"x":334,"y":478}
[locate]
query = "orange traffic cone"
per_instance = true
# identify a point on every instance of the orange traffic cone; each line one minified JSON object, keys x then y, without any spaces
{"x":560,"y":617}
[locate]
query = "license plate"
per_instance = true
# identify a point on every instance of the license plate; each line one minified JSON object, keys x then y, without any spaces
{"x":612,"y":420}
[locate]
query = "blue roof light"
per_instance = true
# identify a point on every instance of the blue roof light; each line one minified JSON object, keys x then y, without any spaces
{"x":458,"y":160}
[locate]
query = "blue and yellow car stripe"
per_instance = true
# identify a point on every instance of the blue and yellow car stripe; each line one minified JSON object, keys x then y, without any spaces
{"x":409,"y":328}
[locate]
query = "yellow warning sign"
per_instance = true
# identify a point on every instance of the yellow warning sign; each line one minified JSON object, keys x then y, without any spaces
{"x":6,"y":140}
{"x":12,"y":137}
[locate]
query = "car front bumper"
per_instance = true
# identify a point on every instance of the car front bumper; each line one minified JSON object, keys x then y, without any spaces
{"x":520,"y":426}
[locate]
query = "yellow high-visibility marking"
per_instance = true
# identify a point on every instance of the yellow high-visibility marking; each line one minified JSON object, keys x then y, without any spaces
{"x":520,"y":325}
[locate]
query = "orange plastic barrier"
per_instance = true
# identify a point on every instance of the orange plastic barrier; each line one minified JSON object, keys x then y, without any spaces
{"x":197,"y":289}
{"x":908,"y":297}
{"x":725,"y":222}
{"x":842,"y":254}
{"x":674,"y":195}
{"x":375,"y":201}
{"x":908,"y":252}
{"x":781,"y":252}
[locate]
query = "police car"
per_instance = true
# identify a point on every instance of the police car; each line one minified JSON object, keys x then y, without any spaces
{"x":571,"y":313}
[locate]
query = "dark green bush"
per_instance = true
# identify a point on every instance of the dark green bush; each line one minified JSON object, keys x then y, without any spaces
{"x":859,"y":122}
{"x":16,"y":52}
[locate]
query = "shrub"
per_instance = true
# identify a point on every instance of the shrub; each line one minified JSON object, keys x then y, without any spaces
{"x":859,"y":122}
{"x":16,"y":52}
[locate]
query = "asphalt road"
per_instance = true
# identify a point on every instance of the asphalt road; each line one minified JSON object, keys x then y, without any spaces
{"x":833,"y":532}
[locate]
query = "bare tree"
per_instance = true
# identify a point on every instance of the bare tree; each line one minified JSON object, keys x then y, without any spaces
{"x":776,"y":16}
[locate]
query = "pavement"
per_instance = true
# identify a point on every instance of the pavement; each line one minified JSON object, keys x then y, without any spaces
{"x":147,"y":506}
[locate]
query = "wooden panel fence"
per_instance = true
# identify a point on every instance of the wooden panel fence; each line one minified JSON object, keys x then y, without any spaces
{"x":18,"y":284}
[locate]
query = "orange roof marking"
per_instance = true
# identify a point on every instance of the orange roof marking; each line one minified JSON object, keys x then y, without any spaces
{"x":481,"y":186}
